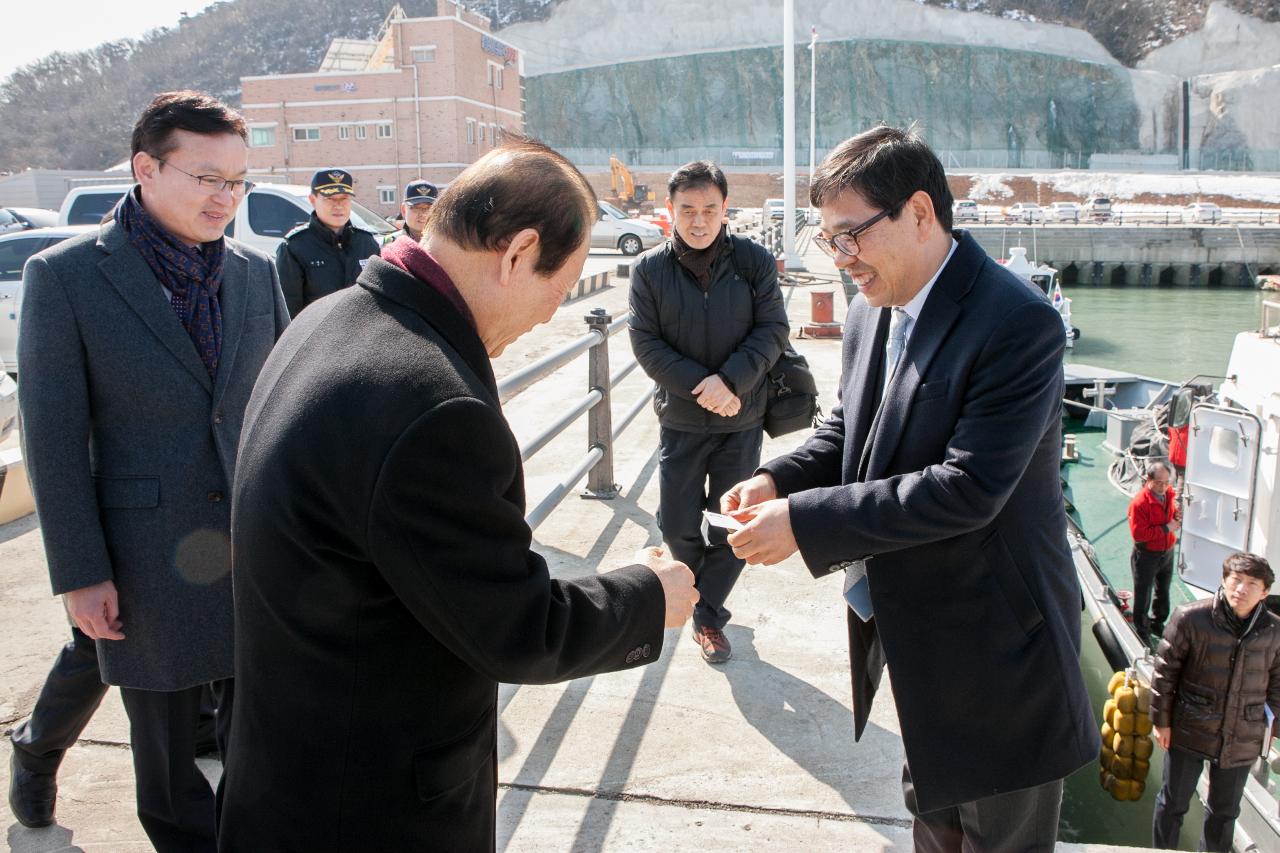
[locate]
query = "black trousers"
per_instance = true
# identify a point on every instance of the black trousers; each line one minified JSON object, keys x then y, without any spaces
{"x":176,"y":806}
{"x":1152,"y":573}
{"x":71,"y":693}
{"x":1226,"y":787}
{"x":1025,"y":821}
{"x":694,"y":471}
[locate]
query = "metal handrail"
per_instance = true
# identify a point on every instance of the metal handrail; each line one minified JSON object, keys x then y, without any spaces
{"x":516,"y":382}
{"x":583,"y":406}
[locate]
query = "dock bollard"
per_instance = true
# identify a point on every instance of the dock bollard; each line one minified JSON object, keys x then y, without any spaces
{"x":623,"y":271}
{"x":822,"y":315}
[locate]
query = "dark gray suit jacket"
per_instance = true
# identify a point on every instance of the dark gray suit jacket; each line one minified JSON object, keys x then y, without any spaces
{"x":954,"y":494}
{"x":131,"y":446}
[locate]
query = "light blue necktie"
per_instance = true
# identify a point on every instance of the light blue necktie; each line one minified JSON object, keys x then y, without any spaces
{"x":857,"y":589}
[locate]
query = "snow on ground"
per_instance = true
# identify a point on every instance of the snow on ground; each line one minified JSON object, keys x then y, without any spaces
{"x":1125,"y":185}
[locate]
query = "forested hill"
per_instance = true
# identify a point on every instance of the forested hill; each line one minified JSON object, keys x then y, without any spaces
{"x":75,"y":110}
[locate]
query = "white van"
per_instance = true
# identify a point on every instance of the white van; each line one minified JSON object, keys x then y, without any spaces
{"x":268,"y":213}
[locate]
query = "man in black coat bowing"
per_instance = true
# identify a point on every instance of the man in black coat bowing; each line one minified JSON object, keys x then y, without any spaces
{"x":934,"y":489}
{"x":383,"y":579}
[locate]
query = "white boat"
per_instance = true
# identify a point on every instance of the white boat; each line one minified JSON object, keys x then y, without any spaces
{"x":1046,"y":278}
{"x":1230,"y":502}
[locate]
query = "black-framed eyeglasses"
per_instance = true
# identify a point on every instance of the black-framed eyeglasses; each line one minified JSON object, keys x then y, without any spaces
{"x":214,"y":183}
{"x":847,"y":241}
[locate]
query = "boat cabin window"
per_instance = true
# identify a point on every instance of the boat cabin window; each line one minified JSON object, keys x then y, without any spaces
{"x":1224,"y":448}
{"x":1042,"y":282}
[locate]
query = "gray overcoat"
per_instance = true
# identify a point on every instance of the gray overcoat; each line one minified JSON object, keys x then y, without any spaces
{"x":131,"y":447}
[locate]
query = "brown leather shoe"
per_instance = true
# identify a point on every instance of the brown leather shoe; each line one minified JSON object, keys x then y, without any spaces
{"x":31,"y":795}
{"x":715,"y":645}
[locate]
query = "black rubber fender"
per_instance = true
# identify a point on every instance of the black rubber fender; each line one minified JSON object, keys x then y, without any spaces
{"x":1110,"y":646}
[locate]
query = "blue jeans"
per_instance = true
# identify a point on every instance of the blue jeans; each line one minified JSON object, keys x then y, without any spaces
{"x":1226,"y":787}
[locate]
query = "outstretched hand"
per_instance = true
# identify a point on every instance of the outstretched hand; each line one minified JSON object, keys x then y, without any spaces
{"x":677,"y":585}
{"x":767,"y":538}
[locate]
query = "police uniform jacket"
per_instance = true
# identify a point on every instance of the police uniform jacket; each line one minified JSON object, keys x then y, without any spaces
{"x":385,"y":586}
{"x":314,"y":262}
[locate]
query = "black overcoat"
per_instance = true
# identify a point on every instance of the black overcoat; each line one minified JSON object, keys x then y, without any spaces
{"x":384,"y":584}
{"x":954,"y":494}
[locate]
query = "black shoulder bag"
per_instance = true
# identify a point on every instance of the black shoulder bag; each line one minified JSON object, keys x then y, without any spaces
{"x":792,"y":402}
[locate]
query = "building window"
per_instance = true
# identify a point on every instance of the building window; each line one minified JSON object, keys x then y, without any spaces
{"x":471,"y":131}
{"x":361,"y":131}
{"x":495,"y":75}
{"x":262,"y":137}
{"x":386,"y":195}
{"x":384,"y":130}
{"x":306,"y":134}
{"x":481,"y":132}
{"x":424,"y":53}
{"x":344,"y":132}
{"x":493,"y":134}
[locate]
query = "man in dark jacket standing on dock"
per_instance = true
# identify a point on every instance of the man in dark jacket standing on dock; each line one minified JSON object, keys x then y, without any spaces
{"x":1217,"y":674}
{"x":328,"y":253}
{"x":1154,"y":520}
{"x":934,"y":490}
{"x":707,"y":323}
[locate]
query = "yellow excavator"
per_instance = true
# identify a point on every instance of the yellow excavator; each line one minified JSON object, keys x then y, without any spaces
{"x":625,"y":190}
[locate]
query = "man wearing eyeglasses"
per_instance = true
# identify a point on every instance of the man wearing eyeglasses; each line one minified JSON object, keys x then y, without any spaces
{"x":328,"y":252}
{"x":141,"y":344}
{"x":932,"y":491}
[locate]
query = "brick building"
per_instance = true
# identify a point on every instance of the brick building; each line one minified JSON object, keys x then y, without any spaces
{"x":424,"y":98}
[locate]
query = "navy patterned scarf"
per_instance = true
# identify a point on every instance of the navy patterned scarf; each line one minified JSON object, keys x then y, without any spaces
{"x":193,"y":276}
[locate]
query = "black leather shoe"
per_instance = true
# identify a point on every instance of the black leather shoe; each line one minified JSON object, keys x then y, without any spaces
{"x":31,"y":795}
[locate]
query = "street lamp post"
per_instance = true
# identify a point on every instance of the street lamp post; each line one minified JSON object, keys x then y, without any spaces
{"x":813,"y":90}
{"x":792,"y":261}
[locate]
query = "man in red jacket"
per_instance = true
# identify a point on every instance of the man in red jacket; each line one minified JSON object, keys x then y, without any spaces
{"x":1154,"y":519}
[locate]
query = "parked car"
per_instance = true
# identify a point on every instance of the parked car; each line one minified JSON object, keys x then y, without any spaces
{"x":1098,"y":209}
{"x":15,"y":248}
{"x":615,"y":230}
{"x":1024,"y":211}
{"x":1202,"y":212}
{"x":965,"y":210}
{"x":774,"y":208}
{"x":1062,"y":211}
{"x":268,"y":213}
{"x":8,"y":404}
{"x":22,"y":218}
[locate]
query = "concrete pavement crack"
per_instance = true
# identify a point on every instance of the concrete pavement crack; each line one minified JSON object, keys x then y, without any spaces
{"x":712,"y":805}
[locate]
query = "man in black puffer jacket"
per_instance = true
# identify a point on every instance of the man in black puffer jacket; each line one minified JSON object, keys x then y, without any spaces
{"x":707,"y":323}
{"x":1217,"y":673}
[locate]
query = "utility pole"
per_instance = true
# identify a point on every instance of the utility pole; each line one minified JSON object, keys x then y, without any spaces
{"x":813,"y":103}
{"x":789,"y":137}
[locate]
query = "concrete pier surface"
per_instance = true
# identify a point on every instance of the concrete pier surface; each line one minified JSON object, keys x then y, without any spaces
{"x":756,"y":754}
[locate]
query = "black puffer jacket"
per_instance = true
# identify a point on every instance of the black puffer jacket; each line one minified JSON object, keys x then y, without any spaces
{"x":1210,"y":686}
{"x":314,"y":262}
{"x":681,"y":334}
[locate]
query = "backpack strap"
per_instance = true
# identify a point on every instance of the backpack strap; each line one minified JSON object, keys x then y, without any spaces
{"x":741,"y":254}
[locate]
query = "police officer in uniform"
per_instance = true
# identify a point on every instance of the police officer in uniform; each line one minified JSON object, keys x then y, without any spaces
{"x":328,"y":253}
{"x":419,"y":196}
